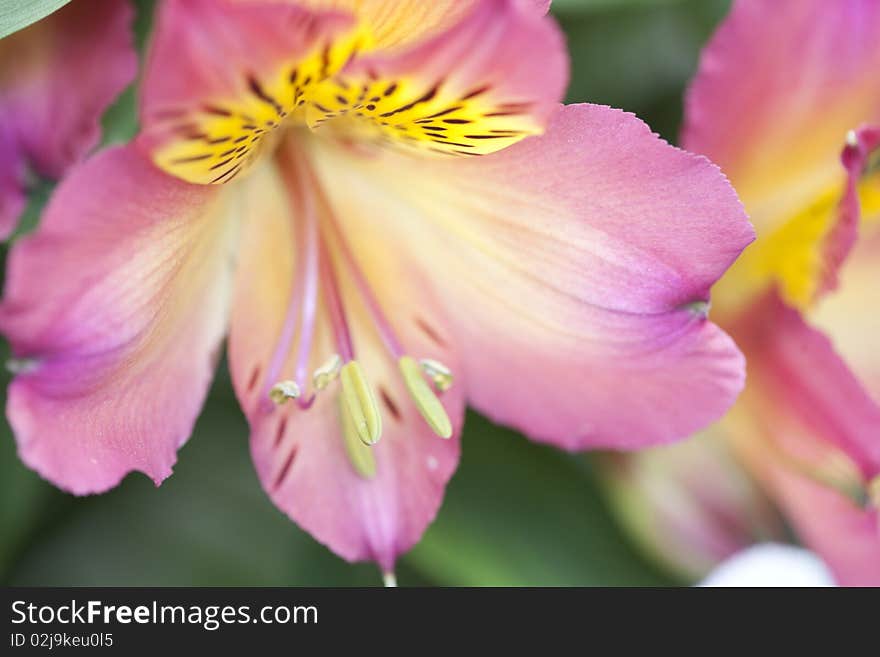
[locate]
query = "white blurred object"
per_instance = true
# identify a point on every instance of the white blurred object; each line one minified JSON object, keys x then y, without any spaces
{"x":771,"y":564}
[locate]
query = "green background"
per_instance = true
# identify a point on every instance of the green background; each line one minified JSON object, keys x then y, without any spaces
{"x":515,"y":513}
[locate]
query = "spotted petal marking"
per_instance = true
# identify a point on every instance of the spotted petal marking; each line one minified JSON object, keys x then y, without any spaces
{"x":482,"y":85}
{"x":434,"y":117}
{"x":217,"y":140}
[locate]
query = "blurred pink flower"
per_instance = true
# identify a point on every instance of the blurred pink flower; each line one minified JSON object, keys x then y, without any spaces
{"x":785,"y":87}
{"x":56,"y":79}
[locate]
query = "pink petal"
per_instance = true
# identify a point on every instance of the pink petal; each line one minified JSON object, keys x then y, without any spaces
{"x":846,"y":537}
{"x":574,"y":270}
{"x":219,"y":71}
{"x":797,"y":368}
{"x":206,"y":49}
{"x":115,"y":307}
{"x":841,"y":239}
{"x":395,"y":23}
{"x":503,"y":44}
{"x":299,"y":454}
{"x":56,"y":79}
{"x":483,"y":84}
{"x":775,"y":73}
{"x":787,"y":458}
{"x":780,"y":86}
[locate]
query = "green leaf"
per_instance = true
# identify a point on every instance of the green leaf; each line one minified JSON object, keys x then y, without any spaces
{"x":17,"y":14}
{"x":522,"y":514}
{"x":573,"y":6}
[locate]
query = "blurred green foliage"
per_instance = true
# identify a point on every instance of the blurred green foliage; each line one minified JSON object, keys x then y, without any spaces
{"x":515,"y":513}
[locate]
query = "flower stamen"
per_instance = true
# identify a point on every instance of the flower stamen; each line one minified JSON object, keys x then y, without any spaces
{"x":383,"y":326}
{"x":427,"y":403}
{"x":360,"y":402}
{"x":440,"y":375}
{"x":424,"y":398}
{"x":327,"y":373}
{"x":357,"y":395}
{"x":302,"y":307}
{"x":283,"y":391}
{"x":360,"y":456}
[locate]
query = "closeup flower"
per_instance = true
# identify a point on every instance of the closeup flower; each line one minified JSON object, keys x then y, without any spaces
{"x":387,"y":211}
{"x":787,"y":102}
{"x":56,"y":79}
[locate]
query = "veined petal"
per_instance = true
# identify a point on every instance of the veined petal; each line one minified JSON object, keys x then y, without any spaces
{"x":56,"y":79}
{"x":807,"y":478}
{"x":847,"y":537}
{"x":796,"y":368}
{"x":780,"y":86}
{"x":484,"y":83}
{"x":804,"y":255}
{"x":223,"y":76}
{"x":396,"y":23}
{"x":115,"y":308}
{"x":374,"y":503}
{"x":574,"y":270}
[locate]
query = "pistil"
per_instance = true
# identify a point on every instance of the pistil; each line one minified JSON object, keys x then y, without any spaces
{"x":302,"y":307}
{"x":427,"y":403}
{"x":383,"y":326}
{"x":357,"y":395}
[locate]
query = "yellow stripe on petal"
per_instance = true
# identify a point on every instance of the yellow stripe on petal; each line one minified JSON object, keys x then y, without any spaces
{"x":426,"y":116}
{"x":869,"y":195}
{"x":793,"y":255}
{"x":217,"y":140}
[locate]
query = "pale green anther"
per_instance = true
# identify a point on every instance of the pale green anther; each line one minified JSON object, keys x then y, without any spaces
{"x":360,"y":456}
{"x":439,"y":374}
{"x":425,"y":399}
{"x":284,"y":390}
{"x":325,"y":374}
{"x":361,"y":403}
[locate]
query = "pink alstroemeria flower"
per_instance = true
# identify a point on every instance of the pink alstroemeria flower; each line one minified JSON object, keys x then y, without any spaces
{"x":385,"y":198}
{"x":56,"y":79}
{"x":785,"y":87}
